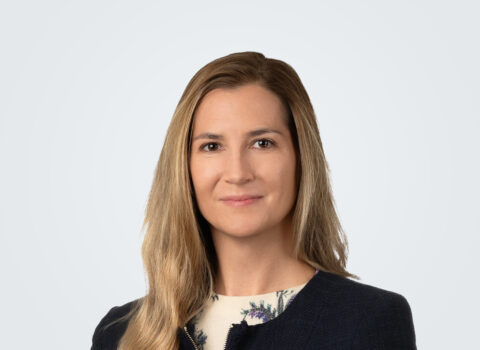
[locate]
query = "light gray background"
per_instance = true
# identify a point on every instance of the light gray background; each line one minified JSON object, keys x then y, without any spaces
{"x":87,"y":92}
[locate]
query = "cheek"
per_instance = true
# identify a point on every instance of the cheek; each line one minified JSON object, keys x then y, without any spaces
{"x":203,"y":178}
{"x":279,"y":176}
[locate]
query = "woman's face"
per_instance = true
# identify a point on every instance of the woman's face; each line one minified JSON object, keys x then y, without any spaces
{"x":242,"y":161}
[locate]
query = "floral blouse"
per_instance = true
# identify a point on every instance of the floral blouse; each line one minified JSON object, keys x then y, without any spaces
{"x":211,"y":325}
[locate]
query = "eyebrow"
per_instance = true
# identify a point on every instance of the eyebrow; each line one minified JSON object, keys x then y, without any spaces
{"x":253,"y":133}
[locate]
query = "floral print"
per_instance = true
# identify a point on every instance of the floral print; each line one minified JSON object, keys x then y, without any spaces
{"x":268,"y":313}
{"x":257,"y":311}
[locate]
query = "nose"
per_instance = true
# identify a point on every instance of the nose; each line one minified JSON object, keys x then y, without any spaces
{"x":238,"y":168}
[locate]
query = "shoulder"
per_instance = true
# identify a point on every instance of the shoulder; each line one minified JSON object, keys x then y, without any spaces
{"x":111,"y":327}
{"x":357,"y":292}
{"x":338,"y":289}
{"x":376,"y":318}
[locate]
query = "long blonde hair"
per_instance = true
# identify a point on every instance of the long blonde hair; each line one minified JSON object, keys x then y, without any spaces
{"x":178,"y":254}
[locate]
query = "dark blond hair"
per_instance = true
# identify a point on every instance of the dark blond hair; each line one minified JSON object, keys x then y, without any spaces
{"x":178,"y":254}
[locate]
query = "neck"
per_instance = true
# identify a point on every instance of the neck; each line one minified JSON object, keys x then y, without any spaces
{"x":257,"y":264}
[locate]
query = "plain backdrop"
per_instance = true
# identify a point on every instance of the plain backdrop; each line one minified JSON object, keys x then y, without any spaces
{"x":87,"y":91}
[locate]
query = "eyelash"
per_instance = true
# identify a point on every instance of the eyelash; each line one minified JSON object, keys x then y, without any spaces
{"x":216,"y":143}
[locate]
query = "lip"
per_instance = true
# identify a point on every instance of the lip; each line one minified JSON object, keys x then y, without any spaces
{"x":239,"y":201}
{"x":241,"y":197}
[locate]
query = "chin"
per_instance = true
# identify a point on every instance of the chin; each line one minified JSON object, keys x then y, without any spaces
{"x":238,"y":231}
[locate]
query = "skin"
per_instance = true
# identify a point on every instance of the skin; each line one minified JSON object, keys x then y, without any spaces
{"x":253,"y":242}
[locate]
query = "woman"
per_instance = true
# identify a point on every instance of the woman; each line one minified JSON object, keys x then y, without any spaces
{"x":243,"y":246}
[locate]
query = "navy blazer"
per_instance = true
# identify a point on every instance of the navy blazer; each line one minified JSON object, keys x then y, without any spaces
{"x":330,"y":312}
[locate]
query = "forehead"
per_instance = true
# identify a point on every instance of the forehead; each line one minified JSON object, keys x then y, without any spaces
{"x":240,"y":107}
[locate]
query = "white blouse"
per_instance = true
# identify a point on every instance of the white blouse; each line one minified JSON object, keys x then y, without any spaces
{"x":211,"y":325}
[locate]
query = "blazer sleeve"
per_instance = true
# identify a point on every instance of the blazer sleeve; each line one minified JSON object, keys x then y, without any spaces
{"x":98,"y":339}
{"x":386,"y":324}
{"x":107,"y":334}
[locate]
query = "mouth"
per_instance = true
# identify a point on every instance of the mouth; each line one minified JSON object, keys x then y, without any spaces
{"x":240,"y":201}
